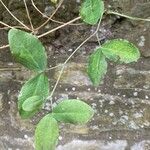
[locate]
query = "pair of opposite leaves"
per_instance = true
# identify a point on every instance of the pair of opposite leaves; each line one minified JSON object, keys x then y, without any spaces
{"x":115,"y":50}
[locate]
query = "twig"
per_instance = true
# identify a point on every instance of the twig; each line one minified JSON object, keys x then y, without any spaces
{"x":18,"y":69}
{"x":27,"y":10}
{"x":4,"y":46}
{"x":14,"y":16}
{"x":19,"y":27}
{"x":4,"y":28}
{"x":49,"y":18}
{"x":9,"y":26}
{"x":63,"y":25}
{"x":98,"y":40}
{"x":126,"y":16}
{"x":72,"y":24}
{"x":57,"y":66}
{"x":38,"y":9}
{"x":5,"y":24}
{"x":10,"y":69}
{"x":63,"y":66}
{"x":59,"y":22}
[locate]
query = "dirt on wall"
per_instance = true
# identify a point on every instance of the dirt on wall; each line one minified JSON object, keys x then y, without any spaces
{"x":121,"y":102}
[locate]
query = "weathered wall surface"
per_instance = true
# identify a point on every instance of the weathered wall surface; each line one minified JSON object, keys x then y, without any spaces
{"x":121,"y":102}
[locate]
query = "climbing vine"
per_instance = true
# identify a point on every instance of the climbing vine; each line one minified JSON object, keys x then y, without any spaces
{"x":27,"y":49}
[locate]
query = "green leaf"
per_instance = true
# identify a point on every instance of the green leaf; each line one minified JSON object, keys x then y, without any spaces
{"x":46,"y":134}
{"x":121,"y":50}
{"x":73,"y":111}
{"x":32,"y":103}
{"x":27,"y":50}
{"x":54,"y":1}
{"x":37,"y":86}
{"x":91,"y":11}
{"x":97,"y":67}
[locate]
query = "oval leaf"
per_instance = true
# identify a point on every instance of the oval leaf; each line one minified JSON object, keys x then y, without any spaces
{"x":121,"y":50}
{"x":27,"y":50}
{"x":37,"y":86}
{"x":46,"y":134}
{"x":97,"y":67}
{"x":73,"y":111}
{"x":91,"y":11}
{"x":32,"y":103}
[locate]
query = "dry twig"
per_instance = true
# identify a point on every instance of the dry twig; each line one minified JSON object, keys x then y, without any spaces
{"x":14,"y":16}
{"x":27,"y":10}
{"x":61,"y":26}
{"x":60,"y":3}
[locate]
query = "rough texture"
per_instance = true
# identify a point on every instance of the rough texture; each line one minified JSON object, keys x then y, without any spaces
{"x":121,"y":102}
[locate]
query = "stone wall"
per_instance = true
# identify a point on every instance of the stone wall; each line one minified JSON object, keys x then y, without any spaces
{"x":121,"y":102}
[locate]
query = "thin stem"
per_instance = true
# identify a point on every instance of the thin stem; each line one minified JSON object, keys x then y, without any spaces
{"x":27,"y":10}
{"x":63,"y":25}
{"x":59,"y":22}
{"x":4,"y":46}
{"x":5,"y":24}
{"x":83,"y":43}
{"x":14,"y":16}
{"x":10,"y":69}
{"x":57,"y":66}
{"x":72,"y":24}
{"x":4,"y":28}
{"x":98,"y":40}
{"x":126,"y":16}
{"x":38,"y":9}
{"x":63,"y":66}
{"x":18,"y":69}
{"x":49,"y":18}
{"x":7,"y":27}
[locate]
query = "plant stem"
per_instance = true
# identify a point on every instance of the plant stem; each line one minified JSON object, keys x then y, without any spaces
{"x":59,"y":22}
{"x":27,"y":11}
{"x":14,"y":16}
{"x":4,"y":46}
{"x":60,"y":65}
{"x":10,"y":69}
{"x":126,"y":16}
{"x":98,"y":40}
{"x":6,"y":24}
{"x":44,"y":34}
{"x":8,"y":27}
{"x":60,"y":3}
{"x":63,"y":65}
{"x":61,"y":26}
